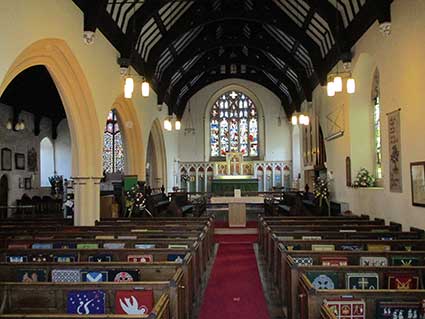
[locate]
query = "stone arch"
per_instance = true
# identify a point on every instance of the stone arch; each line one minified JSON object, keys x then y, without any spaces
{"x":258,"y":105}
{"x":132,"y":134}
{"x":78,"y":102}
{"x":158,"y":147}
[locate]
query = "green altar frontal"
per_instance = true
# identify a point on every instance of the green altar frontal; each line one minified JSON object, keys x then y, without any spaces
{"x":227,"y":184}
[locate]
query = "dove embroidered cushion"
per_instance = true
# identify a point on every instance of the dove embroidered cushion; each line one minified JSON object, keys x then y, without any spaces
{"x":133,"y":302}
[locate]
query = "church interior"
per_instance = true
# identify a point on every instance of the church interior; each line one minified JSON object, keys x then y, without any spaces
{"x":184,"y":159}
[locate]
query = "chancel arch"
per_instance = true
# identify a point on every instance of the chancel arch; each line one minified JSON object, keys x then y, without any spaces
{"x":156,"y":160}
{"x":78,"y":103}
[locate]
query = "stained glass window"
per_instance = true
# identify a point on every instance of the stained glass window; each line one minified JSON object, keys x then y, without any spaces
{"x":113,"y":148}
{"x":234,"y":125}
{"x":377,"y":136}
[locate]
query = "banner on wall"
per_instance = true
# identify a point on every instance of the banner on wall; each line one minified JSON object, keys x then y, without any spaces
{"x":394,"y":141}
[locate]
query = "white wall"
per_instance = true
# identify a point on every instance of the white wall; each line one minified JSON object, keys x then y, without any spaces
{"x":277,"y":143}
{"x":401,"y":63}
{"x":22,"y":142}
{"x":63,"y":163}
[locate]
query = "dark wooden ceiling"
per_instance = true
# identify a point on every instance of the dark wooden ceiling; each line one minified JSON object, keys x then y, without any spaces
{"x":34,"y":91}
{"x":288,"y":46}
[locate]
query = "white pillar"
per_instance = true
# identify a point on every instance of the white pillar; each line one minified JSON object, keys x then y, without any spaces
{"x":86,"y":200}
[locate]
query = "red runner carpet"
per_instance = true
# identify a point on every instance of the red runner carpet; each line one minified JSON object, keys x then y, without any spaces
{"x":234,"y":288}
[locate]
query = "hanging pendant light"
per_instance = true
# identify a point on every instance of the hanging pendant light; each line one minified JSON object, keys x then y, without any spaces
{"x":338,"y":84}
{"x":351,"y":86}
{"x":331,"y":89}
{"x":145,"y":88}
{"x":128,"y":93}
{"x":167,"y":124}
{"x":129,"y":84}
{"x":294,"y":119}
{"x":128,"y":87}
{"x":178,"y":125}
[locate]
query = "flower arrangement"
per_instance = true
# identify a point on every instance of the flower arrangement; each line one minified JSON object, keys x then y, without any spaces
{"x":56,"y":184}
{"x":321,"y":190}
{"x":364,"y":179}
{"x":135,"y":200}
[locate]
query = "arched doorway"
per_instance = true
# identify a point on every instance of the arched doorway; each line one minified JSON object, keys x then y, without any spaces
{"x":156,"y":176}
{"x":78,"y":103}
{"x":4,"y":195}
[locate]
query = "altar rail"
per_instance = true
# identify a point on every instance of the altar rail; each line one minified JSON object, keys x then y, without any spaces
{"x":198,"y":176}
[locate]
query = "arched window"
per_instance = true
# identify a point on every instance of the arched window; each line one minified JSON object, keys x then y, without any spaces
{"x":47,"y":161}
{"x":376,"y":103}
{"x":113,"y":149}
{"x":234,"y":125}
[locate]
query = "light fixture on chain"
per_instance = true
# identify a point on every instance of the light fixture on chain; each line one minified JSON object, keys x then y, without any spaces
{"x":190,"y":128}
{"x":335,"y":83}
{"x":125,"y":64}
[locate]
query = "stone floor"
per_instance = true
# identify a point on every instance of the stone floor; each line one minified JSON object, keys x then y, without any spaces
{"x":272,"y":298}
{"x":271,"y":294}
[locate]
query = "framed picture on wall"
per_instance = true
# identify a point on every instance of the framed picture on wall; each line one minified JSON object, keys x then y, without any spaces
{"x":417,"y":175}
{"x":19,"y":161}
{"x":6,"y":159}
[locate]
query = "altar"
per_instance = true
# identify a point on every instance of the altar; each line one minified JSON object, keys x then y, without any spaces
{"x":227,"y":184}
{"x":233,"y":174}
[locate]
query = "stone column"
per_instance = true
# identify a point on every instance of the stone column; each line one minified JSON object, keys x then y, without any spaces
{"x":86,"y":200}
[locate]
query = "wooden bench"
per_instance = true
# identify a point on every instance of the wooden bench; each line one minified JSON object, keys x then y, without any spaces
{"x":48,"y":297}
{"x":157,"y":271}
{"x":161,"y":310}
{"x":157,"y":203}
{"x":296,"y":272}
{"x":311,"y":299}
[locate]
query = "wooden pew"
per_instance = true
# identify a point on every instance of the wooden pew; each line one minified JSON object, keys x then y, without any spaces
{"x":270,"y":250}
{"x":332,"y":235}
{"x":201,"y":250}
{"x":311,"y":299}
{"x":153,"y":272}
{"x":157,"y":203}
{"x":296,"y":272}
{"x":48,"y":297}
{"x":289,"y":273}
{"x":118,"y":255}
{"x":161,"y":310}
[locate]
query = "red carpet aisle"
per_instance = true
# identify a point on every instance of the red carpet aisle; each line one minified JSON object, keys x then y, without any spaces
{"x":234,"y":288}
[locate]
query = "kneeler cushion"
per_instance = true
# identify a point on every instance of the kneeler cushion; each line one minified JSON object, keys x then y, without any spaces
{"x":133,"y":302}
